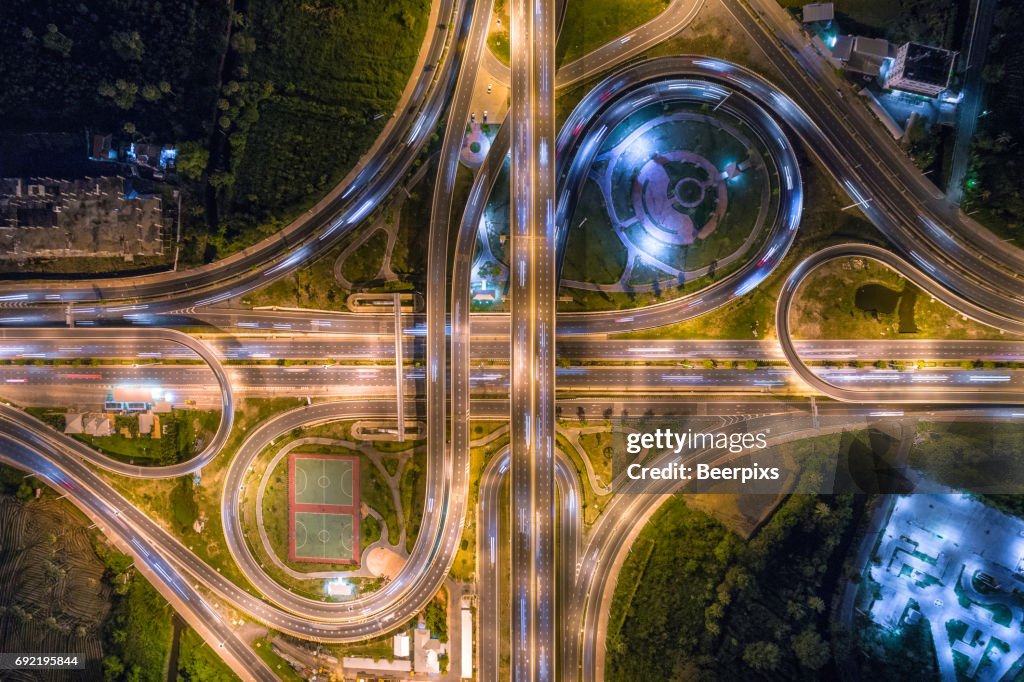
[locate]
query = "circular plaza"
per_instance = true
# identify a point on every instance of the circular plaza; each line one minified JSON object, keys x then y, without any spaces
{"x":678,"y":192}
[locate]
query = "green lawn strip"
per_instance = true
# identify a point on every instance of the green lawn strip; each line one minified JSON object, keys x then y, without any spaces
{"x":375,"y":492}
{"x":593,"y":505}
{"x":594,"y":253}
{"x":598,"y":447}
{"x":498,"y":42}
{"x":409,"y":257}
{"x":413,"y":488}
{"x":464,"y":565}
{"x":369,"y":531}
{"x":199,"y":662}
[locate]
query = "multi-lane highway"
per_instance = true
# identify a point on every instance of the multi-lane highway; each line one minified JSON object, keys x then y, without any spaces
{"x":342,"y":349}
{"x":533,"y":289}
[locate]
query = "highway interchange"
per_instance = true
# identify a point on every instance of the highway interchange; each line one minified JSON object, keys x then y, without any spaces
{"x":941,"y":252}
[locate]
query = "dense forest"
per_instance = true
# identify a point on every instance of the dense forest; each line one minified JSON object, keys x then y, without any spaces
{"x":995,"y":182}
{"x":707,"y":605}
{"x":269,"y":102}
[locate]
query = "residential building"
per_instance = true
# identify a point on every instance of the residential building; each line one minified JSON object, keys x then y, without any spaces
{"x":921,"y":69}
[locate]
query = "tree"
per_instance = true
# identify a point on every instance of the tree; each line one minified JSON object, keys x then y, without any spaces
{"x":192,"y":159}
{"x":150,"y":93}
{"x":113,"y":668}
{"x":762,"y":656}
{"x":25,"y":490}
{"x":810,"y":649}
{"x":56,"y":41}
{"x":128,"y":45}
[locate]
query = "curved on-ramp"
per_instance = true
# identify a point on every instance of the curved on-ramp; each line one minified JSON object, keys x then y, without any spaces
{"x":216,"y":443}
{"x":921,"y":279}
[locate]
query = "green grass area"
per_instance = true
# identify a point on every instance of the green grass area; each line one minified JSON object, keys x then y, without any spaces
{"x":464,"y":565}
{"x":498,"y":42}
{"x":589,"y":24}
{"x":199,"y":662}
{"x":409,"y":257}
{"x":592,"y":503}
{"x":857,"y":298}
{"x":313,"y":286}
{"x":375,"y":492}
{"x":369,"y":532}
{"x":363,"y":265}
{"x":594,"y":253}
{"x":413,"y":489}
{"x":598,"y":447}
{"x":280,"y":666}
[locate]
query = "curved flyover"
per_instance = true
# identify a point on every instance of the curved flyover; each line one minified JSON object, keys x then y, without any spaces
{"x":921,"y":279}
{"x":310,"y":235}
{"x":220,"y":437}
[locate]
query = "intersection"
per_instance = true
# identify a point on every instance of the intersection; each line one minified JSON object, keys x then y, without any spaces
{"x":506,"y":367}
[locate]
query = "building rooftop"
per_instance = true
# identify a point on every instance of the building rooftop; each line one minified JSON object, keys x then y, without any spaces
{"x":843,"y":48}
{"x":93,"y":216}
{"x":928,"y":64}
{"x":818,"y":11}
{"x":877,"y":48}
